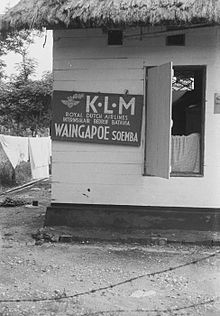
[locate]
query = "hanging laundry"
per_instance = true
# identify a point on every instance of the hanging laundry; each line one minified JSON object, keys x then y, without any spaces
{"x":39,"y":150}
{"x":16,"y":148}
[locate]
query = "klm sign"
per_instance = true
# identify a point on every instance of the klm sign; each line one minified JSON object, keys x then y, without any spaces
{"x":97,"y":117}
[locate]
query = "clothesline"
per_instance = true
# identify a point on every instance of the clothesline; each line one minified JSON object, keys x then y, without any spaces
{"x":37,"y":150}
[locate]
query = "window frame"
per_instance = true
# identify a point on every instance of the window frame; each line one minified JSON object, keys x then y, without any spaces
{"x":203,"y":69}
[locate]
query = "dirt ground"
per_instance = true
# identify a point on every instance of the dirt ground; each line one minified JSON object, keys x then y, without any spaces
{"x":98,"y":278}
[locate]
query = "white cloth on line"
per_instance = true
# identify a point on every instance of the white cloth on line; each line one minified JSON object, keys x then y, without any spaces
{"x":16,"y":148}
{"x":185,"y":156}
{"x":40,"y":151}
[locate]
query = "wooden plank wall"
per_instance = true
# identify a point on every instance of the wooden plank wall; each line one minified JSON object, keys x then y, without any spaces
{"x":107,"y":174}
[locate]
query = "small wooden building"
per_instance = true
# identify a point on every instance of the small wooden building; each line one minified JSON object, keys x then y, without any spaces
{"x":136,"y":110}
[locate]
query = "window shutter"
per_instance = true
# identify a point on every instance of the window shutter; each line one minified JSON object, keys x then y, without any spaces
{"x":158,"y":121}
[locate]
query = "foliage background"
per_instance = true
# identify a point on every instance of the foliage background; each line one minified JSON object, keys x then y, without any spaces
{"x":24,"y":101}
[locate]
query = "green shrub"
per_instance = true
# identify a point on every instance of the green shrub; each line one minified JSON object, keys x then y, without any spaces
{"x":10,"y":177}
{"x":23,"y":172}
{"x":7,"y":174}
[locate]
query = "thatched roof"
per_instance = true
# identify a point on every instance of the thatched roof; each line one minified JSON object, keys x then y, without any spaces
{"x":108,"y":13}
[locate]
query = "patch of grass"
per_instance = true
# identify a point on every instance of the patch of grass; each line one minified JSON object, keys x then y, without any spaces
{"x":12,"y":202}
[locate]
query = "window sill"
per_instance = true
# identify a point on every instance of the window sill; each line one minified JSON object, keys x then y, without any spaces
{"x":186,"y":174}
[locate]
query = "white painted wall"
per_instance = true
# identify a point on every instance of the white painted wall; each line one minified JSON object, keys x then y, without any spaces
{"x":107,"y":174}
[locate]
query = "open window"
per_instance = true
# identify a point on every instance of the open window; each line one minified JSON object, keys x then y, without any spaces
{"x":175,"y":121}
